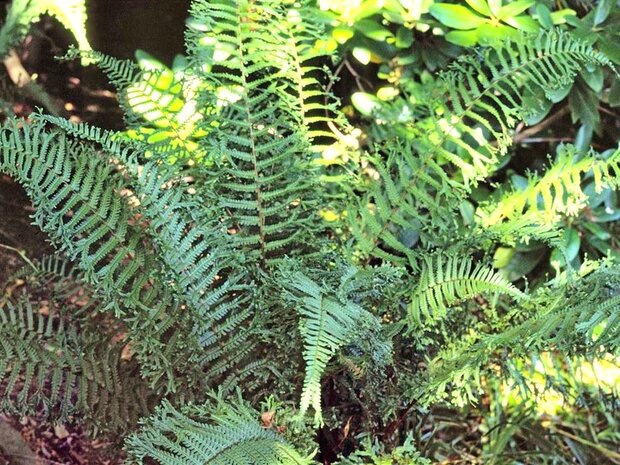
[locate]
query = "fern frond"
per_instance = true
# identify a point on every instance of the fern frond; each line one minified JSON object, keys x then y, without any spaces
{"x":219,"y":434}
{"x":404,"y":204}
{"x":326,"y":326}
{"x":260,"y":143}
{"x":132,"y":264}
{"x":558,"y":192}
{"x":447,"y":280}
{"x":159,"y":106}
{"x":580,"y":317}
{"x":46,"y":366}
{"x":461,"y":142}
{"x":487,"y":96}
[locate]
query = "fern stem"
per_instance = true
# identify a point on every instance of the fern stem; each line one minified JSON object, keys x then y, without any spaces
{"x":250,"y":120}
{"x":22,"y":255}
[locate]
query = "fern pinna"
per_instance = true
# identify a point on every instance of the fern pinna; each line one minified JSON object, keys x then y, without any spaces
{"x":217,"y":271}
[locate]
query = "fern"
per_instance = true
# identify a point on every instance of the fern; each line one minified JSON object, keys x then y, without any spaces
{"x":159,"y":105}
{"x":110,"y":247}
{"x":326,"y":326}
{"x":262,"y":133}
{"x":206,"y":269}
{"x":445,"y":281}
{"x":47,"y":366}
{"x":421,"y":183}
{"x":558,"y":192}
{"x":221,"y":433}
{"x":571,"y":318}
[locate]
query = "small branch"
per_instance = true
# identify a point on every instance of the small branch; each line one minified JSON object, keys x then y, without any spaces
{"x":22,"y":79}
{"x":16,"y":70}
{"x":521,"y":136}
{"x":22,"y":255}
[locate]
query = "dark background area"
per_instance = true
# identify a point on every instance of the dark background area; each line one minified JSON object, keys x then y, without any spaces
{"x":119,"y":27}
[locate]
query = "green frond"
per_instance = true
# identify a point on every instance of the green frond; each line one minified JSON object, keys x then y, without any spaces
{"x":445,"y":280}
{"x":404,"y":202}
{"x":559,"y":192}
{"x":326,"y":326}
{"x":77,"y":201}
{"x":121,"y":73}
{"x":46,"y":366}
{"x":486,"y":96}
{"x":581,"y":317}
{"x":216,"y":434}
{"x":260,"y":140}
{"x":416,"y":186}
{"x":159,"y":105}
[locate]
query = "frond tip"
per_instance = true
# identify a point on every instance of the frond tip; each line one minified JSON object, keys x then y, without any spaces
{"x":447,"y":280}
{"x":327,"y":324}
{"x":215,"y":434}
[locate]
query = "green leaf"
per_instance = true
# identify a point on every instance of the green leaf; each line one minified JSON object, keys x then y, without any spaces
{"x":602,"y":10}
{"x":537,"y":106}
{"x":559,"y":94}
{"x":373,"y":30}
{"x":366,"y":104}
{"x":495,"y":7}
{"x":503,"y":256}
{"x":524,"y":23}
{"x":610,"y":48}
{"x":564,"y":16}
{"x":544,"y":16}
{"x":593,"y":78}
{"x":342,"y":33}
{"x":404,"y":37}
{"x":362,"y":54}
{"x":584,"y":104}
{"x":456,"y":16}
{"x":463,"y":38}
{"x":481,"y":6}
{"x":572,"y":243}
{"x":514,"y":9}
{"x":583,"y":138}
{"x":489,"y":34}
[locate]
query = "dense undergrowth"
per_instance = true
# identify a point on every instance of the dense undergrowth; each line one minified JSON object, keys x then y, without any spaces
{"x":336,"y":233}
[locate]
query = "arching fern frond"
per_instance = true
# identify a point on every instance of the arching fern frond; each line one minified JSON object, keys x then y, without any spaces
{"x":461,"y":142}
{"x":148,"y":273}
{"x":216,"y":434}
{"x":445,"y":280}
{"x":326,"y":325}
{"x":487,"y":96}
{"x":558,"y":192}
{"x":580,"y":317}
{"x":47,"y":366}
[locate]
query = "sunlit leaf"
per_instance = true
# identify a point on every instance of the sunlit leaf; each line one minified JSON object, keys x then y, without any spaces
{"x":456,"y":16}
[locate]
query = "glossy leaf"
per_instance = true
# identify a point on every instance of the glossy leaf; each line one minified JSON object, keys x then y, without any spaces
{"x":456,"y":16}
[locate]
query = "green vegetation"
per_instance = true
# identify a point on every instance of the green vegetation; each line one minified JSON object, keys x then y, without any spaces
{"x":263,"y":265}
